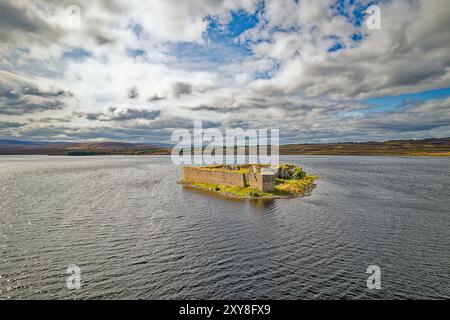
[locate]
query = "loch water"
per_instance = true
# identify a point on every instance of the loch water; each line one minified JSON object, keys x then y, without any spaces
{"x":135,"y":233}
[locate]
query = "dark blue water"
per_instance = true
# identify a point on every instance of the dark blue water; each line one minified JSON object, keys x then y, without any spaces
{"x":135,"y":233}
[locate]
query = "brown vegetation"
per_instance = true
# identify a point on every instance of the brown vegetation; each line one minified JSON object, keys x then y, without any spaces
{"x":427,"y":147}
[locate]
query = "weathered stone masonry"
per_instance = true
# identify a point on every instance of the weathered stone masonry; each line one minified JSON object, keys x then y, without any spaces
{"x":262,"y":181}
{"x":202,"y":175}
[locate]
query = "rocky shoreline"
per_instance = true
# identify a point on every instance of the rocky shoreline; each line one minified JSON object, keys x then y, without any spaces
{"x":308,"y":190}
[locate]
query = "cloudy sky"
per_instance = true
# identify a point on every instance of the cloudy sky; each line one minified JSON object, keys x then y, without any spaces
{"x":136,"y":70}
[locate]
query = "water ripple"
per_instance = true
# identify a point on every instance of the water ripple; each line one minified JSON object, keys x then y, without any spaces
{"x":135,"y":233}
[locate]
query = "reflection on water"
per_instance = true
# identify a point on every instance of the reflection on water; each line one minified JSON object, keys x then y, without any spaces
{"x":263,"y":204}
{"x":135,"y":233}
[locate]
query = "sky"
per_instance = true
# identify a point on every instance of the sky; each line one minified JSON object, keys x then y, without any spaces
{"x":113,"y":70}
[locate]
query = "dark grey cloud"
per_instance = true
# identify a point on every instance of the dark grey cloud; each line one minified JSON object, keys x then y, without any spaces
{"x":12,"y":19}
{"x":155,"y":97}
{"x":133,"y":134}
{"x":51,"y":120}
{"x":23,"y":106}
{"x":133,"y":93}
{"x":419,"y":120}
{"x":181,"y":88}
{"x":209,"y":108}
{"x":19,"y":96}
{"x":8,"y":125}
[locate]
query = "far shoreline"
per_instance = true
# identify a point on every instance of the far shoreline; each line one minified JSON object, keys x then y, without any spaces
{"x":432,"y":147}
{"x":290,"y":154}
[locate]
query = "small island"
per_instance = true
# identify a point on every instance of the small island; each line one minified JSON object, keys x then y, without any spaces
{"x":250,"y":181}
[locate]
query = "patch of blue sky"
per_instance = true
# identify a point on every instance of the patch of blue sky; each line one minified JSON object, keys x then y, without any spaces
{"x":135,"y":53}
{"x":220,"y":45}
{"x":77,"y":54}
{"x":137,"y":30}
{"x":356,"y":37}
{"x":354,"y":10}
{"x":268,"y":74}
{"x":337,"y":45}
{"x":239,"y":22}
{"x":206,"y":56}
{"x":387,"y":103}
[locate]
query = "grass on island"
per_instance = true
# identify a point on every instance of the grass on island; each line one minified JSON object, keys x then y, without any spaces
{"x":243,"y":169}
{"x":283,"y":188}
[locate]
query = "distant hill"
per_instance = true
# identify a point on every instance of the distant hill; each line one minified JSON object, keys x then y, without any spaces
{"x":4,"y":143}
{"x":426,"y":147}
{"x":15,"y":147}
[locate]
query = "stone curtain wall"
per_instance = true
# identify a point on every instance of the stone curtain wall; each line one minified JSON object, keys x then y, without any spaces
{"x":261,"y":182}
{"x":254,"y":181}
{"x":258,"y":181}
{"x":195,"y":174}
{"x":268,"y":182}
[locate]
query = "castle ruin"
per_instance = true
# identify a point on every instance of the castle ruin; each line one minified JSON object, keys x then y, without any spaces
{"x":259,"y":177}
